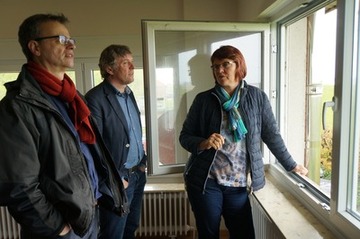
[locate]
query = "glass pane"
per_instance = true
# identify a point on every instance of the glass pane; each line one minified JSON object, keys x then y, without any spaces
{"x":177,"y":63}
{"x":182,"y":71}
{"x":71,"y":74}
{"x":310,"y":73}
{"x":96,"y":77}
{"x":6,"y":77}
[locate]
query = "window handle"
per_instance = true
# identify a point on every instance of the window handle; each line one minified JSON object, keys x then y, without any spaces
{"x":326,"y":105}
{"x":325,"y":206}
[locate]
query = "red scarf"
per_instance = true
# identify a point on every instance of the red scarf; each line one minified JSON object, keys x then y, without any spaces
{"x":66,"y":91}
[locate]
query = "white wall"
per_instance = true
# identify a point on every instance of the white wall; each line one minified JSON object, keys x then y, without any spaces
{"x":98,"y":23}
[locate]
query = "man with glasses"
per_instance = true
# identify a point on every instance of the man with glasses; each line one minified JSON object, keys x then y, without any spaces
{"x":54,"y":167}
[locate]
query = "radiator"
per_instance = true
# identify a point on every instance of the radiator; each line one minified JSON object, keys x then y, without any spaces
{"x":9,"y":229}
{"x":265,"y":228}
{"x":164,"y":213}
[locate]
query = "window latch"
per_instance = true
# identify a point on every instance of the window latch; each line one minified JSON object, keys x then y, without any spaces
{"x":301,"y":185}
{"x":325,"y":206}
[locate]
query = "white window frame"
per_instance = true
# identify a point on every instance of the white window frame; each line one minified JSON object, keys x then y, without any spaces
{"x":149,"y":55}
{"x":344,"y":115}
{"x":336,"y":217}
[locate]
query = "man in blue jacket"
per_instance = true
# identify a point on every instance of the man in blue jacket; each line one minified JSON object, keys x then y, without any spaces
{"x":113,"y":105}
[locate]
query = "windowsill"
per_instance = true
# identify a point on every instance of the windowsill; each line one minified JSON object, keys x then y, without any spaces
{"x":164,"y":187}
{"x":176,"y":178}
{"x":288,"y":213}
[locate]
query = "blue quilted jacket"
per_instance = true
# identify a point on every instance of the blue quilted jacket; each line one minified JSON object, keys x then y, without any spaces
{"x":204,"y":119}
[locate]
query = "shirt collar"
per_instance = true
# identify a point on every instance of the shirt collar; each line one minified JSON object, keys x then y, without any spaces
{"x":126,"y":92}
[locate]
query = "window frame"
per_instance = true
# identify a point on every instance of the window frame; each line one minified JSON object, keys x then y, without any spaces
{"x":333,"y":212}
{"x":149,"y":61}
{"x":344,"y":116}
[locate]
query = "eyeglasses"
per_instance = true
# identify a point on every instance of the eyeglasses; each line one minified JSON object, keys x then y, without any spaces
{"x":62,"y":39}
{"x":224,"y":65}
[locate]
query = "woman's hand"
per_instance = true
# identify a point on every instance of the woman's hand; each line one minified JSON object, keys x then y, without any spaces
{"x":300,"y":169}
{"x":215,"y":141}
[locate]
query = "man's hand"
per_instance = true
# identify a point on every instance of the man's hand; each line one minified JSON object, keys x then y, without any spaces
{"x":125,"y":183}
{"x":66,"y":230}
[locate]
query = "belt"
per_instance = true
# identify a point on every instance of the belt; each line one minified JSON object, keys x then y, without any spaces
{"x":133,"y":169}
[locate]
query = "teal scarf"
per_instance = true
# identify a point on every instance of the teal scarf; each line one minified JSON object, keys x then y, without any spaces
{"x":230,"y":105}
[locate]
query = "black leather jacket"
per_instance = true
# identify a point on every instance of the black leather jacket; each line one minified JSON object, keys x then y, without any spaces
{"x":204,"y":118}
{"x":44,"y":179}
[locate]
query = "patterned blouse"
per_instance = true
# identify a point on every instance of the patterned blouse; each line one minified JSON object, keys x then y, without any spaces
{"x":229,"y":167}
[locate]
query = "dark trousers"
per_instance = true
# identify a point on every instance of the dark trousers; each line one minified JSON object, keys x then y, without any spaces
{"x":232,"y":203}
{"x":114,"y":227}
{"x":92,"y":233}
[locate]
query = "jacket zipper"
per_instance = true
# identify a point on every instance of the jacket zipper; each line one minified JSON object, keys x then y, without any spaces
{"x":213,"y":160}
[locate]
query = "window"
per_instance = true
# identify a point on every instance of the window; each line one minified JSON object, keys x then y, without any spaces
{"x":9,"y":71}
{"x":318,"y":112}
{"x":306,"y":85}
{"x":177,"y":59}
{"x":6,"y":77}
{"x":346,"y":195}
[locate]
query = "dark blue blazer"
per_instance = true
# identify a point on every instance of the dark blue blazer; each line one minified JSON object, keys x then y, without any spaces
{"x":111,"y":122}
